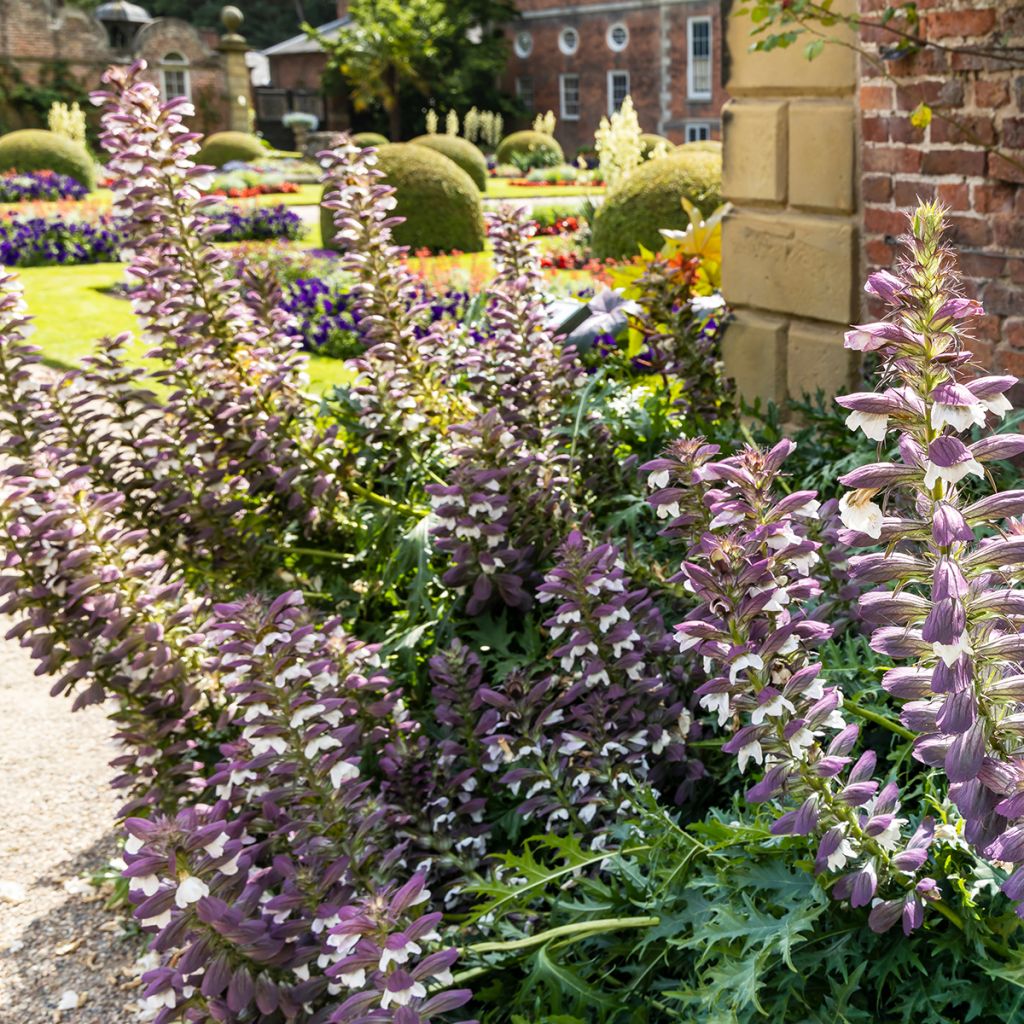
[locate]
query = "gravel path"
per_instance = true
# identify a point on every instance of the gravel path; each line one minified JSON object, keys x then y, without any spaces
{"x":62,"y":956}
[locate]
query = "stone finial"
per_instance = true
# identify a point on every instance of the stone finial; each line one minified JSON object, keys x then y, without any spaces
{"x":232,"y":18}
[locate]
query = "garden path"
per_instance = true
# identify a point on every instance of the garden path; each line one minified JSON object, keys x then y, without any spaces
{"x":62,"y":956}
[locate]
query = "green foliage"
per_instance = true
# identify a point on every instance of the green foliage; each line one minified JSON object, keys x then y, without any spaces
{"x":649,"y":140}
{"x":439,"y":201}
{"x":459,"y":151}
{"x":365,"y":139}
{"x":395,"y":52}
{"x":34,"y":149}
{"x":529,"y":149}
{"x":223,"y":147}
{"x":702,"y":146}
{"x":635,"y":211}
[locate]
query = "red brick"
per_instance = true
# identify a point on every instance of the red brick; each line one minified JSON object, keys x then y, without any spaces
{"x":953,"y":161}
{"x":884,"y":222}
{"x":879,"y":253}
{"x":894,"y":159}
{"x":991,"y":94}
{"x":984,"y":327}
{"x":992,"y":197}
{"x":1013,"y":331}
{"x":875,"y":129}
{"x":960,"y":24}
{"x":1016,"y":271}
{"x":1010,"y":362}
{"x":876,"y":97}
{"x":984,"y":354}
{"x":909,"y":193}
{"x":1003,"y":299}
{"x":1005,"y":170}
{"x":956,"y":197}
{"x":876,"y":188}
{"x":975,"y":232}
{"x":976,"y":130}
{"x":981,"y":265}
{"x":1013,"y":132}
{"x":1008,"y":231}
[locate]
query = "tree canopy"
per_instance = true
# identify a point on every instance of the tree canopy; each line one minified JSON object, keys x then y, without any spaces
{"x":399,"y":56}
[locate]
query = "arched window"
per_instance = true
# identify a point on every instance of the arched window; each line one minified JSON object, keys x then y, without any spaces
{"x":174,"y":76}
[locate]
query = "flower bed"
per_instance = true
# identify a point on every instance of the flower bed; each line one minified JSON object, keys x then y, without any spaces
{"x":498,"y":615}
{"x":36,"y":186}
{"x":251,"y":191}
{"x":44,"y":241}
{"x":259,"y":224}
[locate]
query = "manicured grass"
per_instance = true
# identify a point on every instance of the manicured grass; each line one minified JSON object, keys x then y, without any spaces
{"x":499,"y":188}
{"x":72,"y":309}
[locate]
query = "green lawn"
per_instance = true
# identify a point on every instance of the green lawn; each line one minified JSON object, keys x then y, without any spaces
{"x":500,"y":188}
{"x":72,"y":309}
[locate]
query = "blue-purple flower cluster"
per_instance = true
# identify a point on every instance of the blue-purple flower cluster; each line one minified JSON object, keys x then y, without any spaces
{"x":330,"y":323}
{"x":39,"y":186}
{"x":257,"y":224}
{"x":56,"y":241}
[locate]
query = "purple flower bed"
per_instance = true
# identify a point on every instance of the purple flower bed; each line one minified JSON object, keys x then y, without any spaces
{"x":34,"y":186}
{"x":259,"y":224}
{"x":330,"y":322}
{"x":46,"y":241}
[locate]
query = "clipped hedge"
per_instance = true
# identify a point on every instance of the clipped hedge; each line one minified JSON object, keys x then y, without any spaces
{"x":703,"y":146}
{"x":34,"y":149}
{"x":649,"y":141}
{"x":438,"y":199}
{"x":638,"y":207}
{"x":365,"y":139}
{"x":459,"y":151}
{"x":530,"y":143}
{"x":223,"y":147}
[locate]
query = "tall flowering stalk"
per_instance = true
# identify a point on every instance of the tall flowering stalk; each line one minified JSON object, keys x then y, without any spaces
{"x":402,"y":386}
{"x":271,"y":900}
{"x":499,"y":516}
{"x":109,"y":618}
{"x":574,"y":745}
{"x":521,"y":369}
{"x":220,"y":363}
{"x":749,"y":567}
{"x":955,"y":611}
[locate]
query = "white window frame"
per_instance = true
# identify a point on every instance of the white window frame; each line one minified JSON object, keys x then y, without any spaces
{"x":610,"y":40}
{"x":696,"y":127}
{"x":562,"y":79}
{"x":175,"y":63}
{"x":563,"y":45}
{"x":611,"y":89}
{"x":523,"y":44}
{"x":691,"y":91}
{"x":520,"y":79}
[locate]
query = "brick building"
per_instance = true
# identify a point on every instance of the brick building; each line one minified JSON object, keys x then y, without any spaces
{"x":43,"y":41}
{"x":821,"y":161}
{"x":580,"y":58}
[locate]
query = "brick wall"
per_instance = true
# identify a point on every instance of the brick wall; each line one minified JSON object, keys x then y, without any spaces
{"x":655,"y":58}
{"x":983,"y":191}
{"x":36,"y":33}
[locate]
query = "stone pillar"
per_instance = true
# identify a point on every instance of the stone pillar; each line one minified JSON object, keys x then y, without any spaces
{"x":233,"y":47}
{"x":790,"y":253}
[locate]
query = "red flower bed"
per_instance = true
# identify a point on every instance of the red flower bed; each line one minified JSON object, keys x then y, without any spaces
{"x":285,"y":188}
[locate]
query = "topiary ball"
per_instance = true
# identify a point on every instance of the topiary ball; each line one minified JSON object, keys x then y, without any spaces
{"x":543,"y":148}
{"x":703,"y":146}
{"x":462,"y":152}
{"x":223,"y":147}
{"x":33,"y":149}
{"x":649,"y":141}
{"x":633,"y":212}
{"x":437,"y":198}
{"x":365,"y":139}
